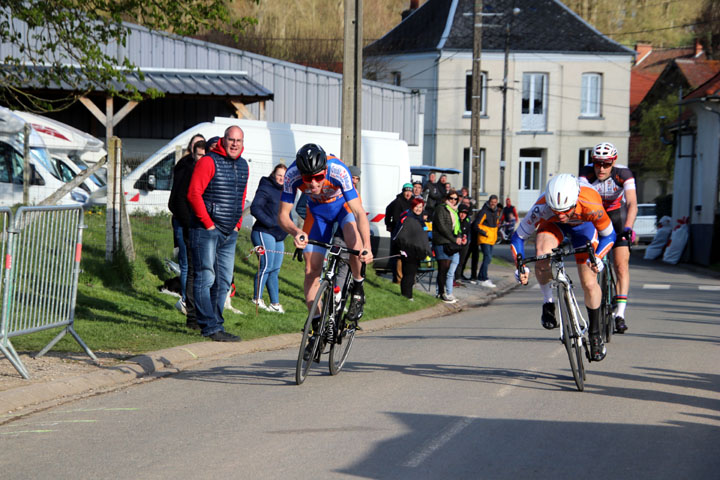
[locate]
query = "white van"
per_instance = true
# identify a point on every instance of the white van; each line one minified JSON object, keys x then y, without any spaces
{"x":71,"y":149}
{"x":385,"y":165}
{"x":44,"y":177}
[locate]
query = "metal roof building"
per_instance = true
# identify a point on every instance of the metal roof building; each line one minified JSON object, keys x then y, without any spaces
{"x":193,"y":69}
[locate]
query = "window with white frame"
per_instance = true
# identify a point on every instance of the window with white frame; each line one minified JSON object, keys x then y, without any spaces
{"x":590,"y":95}
{"x":468,"y":92}
{"x":534,"y":101}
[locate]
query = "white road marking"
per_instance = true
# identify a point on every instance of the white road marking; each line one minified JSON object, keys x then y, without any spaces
{"x":436,"y":443}
{"x":710,"y":288}
{"x":656,"y":286}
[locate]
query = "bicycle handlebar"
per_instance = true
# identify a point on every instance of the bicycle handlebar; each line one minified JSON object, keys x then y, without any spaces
{"x":329,"y":246}
{"x":557,"y":253}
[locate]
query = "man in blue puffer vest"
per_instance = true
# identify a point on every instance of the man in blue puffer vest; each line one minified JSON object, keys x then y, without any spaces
{"x":217,"y":196}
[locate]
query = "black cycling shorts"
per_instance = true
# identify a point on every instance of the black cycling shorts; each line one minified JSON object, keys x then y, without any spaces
{"x":618,"y":223}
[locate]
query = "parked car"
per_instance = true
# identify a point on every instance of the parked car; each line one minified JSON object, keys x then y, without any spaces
{"x":645,"y":223}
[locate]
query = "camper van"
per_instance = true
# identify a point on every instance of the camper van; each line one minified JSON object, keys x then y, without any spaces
{"x":385,"y":165}
{"x":71,"y":150}
{"x":44,"y":176}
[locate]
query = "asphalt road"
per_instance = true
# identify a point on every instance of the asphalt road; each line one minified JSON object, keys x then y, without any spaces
{"x":483,"y":394}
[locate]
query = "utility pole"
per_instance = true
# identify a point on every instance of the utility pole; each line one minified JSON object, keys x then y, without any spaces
{"x":508,"y":24}
{"x":476,"y":103}
{"x":352,"y":84}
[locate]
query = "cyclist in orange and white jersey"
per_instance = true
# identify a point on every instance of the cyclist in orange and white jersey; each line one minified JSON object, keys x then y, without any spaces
{"x":616,"y":185}
{"x":568,"y":209}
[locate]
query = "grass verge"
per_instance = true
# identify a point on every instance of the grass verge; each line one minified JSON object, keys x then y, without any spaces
{"x":120,"y":309}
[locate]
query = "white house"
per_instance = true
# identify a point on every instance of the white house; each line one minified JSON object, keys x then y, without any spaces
{"x":568,"y":88}
{"x":696,"y":188}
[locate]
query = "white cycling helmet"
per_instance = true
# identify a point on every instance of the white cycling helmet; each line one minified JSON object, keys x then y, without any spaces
{"x":562,"y":192}
{"x":605,"y":151}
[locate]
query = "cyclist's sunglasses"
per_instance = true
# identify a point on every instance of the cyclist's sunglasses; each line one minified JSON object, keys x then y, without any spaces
{"x":600,"y":164}
{"x":318,"y":177}
{"x":563,"y":212}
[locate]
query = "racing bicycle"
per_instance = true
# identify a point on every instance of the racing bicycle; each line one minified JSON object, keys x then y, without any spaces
{"x":573,"y":326}
{"x":332,"y":333}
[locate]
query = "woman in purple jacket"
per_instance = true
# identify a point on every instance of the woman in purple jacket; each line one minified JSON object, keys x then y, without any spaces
{"x":270,"y":237}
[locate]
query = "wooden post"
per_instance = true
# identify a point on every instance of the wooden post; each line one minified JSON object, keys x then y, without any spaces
{"x":114,"y":191}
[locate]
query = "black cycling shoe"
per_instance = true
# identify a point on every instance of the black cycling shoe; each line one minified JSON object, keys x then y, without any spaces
{"x":356,"y":310}
{"x":597,"y":348}
{"x":548,"y":316}
{"x":309,"y":348}
{"x":620,"y":325}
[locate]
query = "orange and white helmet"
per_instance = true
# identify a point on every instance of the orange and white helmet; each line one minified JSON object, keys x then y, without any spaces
{"x":605,"y":151}
{"x":562,"y":192}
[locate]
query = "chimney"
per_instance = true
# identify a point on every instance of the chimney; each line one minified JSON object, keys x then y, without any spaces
{"x":414,"y":4}
{"x":643,"y":50}
{"x":698,"y":48}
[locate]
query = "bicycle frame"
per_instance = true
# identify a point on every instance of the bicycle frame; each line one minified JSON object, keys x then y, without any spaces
{"x":564,"y":290}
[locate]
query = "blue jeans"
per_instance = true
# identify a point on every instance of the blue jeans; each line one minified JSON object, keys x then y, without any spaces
{"x":487,"y":258}
{"x":213,"y":256}
{"x":269,"y":268}
{"x":450,"y":278}
{"x":182,"y":256}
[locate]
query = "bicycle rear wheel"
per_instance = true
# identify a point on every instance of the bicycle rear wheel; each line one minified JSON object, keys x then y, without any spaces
{"x":571,"y":341}
{"x":304,"y":361}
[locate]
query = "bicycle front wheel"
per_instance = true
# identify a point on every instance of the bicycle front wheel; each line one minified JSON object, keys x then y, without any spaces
{"x":571,"y":342}
{"x":312,"y":341}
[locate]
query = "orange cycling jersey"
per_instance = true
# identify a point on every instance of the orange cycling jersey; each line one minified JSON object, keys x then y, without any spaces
{"x":589,"y":208}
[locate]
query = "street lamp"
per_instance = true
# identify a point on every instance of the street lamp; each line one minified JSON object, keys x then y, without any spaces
{"x":508,"y":24}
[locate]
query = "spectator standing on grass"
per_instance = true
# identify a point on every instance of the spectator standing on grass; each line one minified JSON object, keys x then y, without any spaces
{"x":447,"y":242}
{"x":433,"y":196}
{"x":411,"y":238}
{"x":267,"y":234}
{"x":392,"y":215}
{"x":217,"y":196}
{"x":465,"y":227}
{"x":486,"y":224}
{"x":182,"y":213}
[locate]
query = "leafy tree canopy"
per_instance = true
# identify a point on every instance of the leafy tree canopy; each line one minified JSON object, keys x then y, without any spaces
{"x":60,"y":42}
{"x":658,"y":157}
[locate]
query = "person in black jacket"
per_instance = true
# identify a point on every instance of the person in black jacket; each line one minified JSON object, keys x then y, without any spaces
{"x":465,"y":228}
{"x":392,"y":214}
{"x":180,"y":208}
{"x":267,"y":234}
{"x":411,"y":237}
{"x":433,"y":196}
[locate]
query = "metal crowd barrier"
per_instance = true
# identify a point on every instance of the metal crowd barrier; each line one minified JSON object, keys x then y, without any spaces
{"x":42,"y":251}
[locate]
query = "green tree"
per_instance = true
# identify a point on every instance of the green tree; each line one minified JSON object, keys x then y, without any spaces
{"x":64,"y":39}
{"x":658,"y":156}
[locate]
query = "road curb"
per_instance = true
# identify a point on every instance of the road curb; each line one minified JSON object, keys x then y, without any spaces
{"x":39,"y":396}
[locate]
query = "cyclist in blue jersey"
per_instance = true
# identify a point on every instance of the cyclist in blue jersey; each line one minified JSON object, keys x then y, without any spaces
{"x":331,"y":198}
